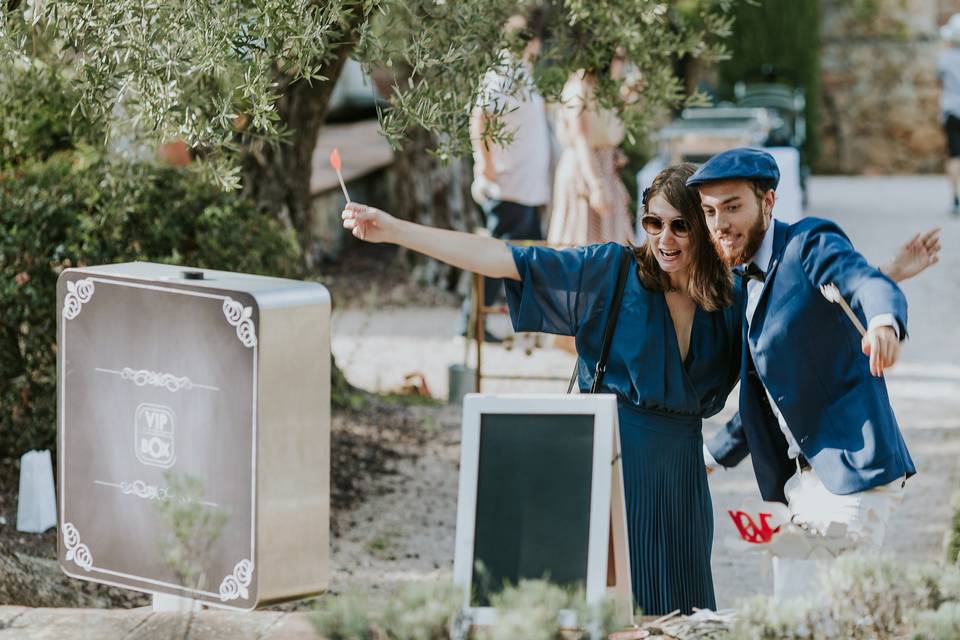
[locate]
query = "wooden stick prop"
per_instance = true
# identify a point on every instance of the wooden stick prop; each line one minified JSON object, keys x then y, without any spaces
{"x":335,"y":163}
{"x":832,"y":293}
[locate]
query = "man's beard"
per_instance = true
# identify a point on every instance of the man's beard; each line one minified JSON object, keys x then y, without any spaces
{"x":754,"y":239}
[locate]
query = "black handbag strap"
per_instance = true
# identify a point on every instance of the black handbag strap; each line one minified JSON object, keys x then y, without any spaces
{"x":626,"y":260}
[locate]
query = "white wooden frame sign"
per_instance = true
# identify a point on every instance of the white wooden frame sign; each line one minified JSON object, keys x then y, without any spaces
{"x":607,"y":518}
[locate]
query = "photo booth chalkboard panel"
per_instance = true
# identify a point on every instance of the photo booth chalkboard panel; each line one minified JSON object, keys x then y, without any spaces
{"x":533,"y":501}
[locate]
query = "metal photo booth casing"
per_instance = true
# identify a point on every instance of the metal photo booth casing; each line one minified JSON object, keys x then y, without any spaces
{"x":220,"y":383}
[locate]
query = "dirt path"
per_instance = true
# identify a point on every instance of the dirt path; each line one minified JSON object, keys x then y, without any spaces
{"x":406,"y":530}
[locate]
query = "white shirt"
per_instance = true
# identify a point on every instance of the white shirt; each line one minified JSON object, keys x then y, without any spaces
{"x":754,"y":288}
{"x":523,"y":166}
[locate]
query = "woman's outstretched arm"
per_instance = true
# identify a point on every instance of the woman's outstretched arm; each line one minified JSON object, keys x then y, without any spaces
{"x":479,"y":254}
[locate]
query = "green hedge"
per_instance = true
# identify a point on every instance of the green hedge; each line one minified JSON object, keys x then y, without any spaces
{"x":785,"y":35}
{"x":73,"y":209}
{"x":36,"y":103}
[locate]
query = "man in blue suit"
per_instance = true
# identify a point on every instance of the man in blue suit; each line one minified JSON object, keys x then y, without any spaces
{"x":915,"y":256}
{"x":816,"y":416}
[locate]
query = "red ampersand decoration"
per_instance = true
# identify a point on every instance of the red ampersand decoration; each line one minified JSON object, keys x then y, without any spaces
{"x":749,"y":530}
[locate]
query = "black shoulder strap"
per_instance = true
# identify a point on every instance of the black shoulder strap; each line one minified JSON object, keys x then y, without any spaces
{"x":626,"y":259}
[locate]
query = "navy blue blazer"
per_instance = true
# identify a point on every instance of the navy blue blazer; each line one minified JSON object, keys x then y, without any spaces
{"x":807,"y":353}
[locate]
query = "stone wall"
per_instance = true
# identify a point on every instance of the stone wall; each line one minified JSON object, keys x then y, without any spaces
{"x":879,"y":93}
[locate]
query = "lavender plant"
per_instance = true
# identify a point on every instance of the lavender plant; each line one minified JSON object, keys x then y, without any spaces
{"x":191,"y":528}
{"x":862,"y":597}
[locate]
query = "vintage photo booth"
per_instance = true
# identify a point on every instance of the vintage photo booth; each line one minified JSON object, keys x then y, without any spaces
{"x":202,"y":378}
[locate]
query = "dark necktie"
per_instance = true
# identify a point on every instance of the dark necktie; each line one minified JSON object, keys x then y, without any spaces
{"x":753,"y":272}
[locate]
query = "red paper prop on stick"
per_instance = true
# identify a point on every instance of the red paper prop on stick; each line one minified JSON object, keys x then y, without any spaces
{"x":750,"y":530}
{"x":337,"y":166}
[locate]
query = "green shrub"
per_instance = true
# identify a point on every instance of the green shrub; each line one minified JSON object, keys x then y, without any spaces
{"x":75,"y":210}
{"x":433,"y":611}
{"x":860,"y":596}
{"x":36,"y":102}
{"x":938,"y":625}
{"x":345,"y":617}
{"x":414,"y":611}
{"x":783,"y":35}
{"x":530,"y":610}
{"x":953,"y":544}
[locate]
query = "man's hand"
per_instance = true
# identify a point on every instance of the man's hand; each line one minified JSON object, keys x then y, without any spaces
{"x":883,"y":347}
{"x":917,"y":254}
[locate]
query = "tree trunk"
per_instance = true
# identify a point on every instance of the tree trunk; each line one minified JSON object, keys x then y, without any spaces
{"x":277,"y":177}
{"x":427,"y":191}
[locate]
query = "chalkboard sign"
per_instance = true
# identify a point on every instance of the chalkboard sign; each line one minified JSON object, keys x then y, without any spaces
{"x":537,"y":497}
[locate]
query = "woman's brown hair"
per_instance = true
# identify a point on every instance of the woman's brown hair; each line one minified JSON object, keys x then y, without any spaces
{"x":710,"y":280}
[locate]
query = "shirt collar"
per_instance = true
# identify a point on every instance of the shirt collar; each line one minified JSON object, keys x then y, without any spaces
{"x":763,"y":255}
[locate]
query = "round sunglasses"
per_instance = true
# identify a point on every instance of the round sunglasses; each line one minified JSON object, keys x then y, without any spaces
{"x":653,"y":225}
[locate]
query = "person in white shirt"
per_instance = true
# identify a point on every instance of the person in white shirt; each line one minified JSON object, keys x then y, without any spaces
{"x":511,"y":180}
{"x":948,"y":73}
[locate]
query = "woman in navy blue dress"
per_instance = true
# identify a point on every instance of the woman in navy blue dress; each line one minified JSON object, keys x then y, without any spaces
{"x":674,"y":359}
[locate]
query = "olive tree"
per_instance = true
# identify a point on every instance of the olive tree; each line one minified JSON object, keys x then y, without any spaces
{"x":246,"y":83}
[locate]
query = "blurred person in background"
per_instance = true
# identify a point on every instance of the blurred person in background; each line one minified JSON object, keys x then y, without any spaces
{"x":948,"y":72}
{"x":511,"y":181}
{"x":590,"y":202}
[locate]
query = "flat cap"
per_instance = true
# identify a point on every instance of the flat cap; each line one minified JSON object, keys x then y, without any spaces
{"x":738,"y":164}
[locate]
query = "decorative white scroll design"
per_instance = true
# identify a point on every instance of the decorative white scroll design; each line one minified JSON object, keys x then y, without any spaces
{"x":170,"y":382}
{"x":77,"y":552}
{"x":78,"y":293}
{"x":141,"y":489}
{"x":235,"y":585}
{"x":240,"y":317}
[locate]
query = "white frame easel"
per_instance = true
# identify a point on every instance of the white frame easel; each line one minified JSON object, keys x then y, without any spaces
{"x":608,"y":523}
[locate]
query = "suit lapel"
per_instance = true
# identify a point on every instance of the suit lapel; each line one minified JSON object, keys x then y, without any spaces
{"x":779,"y":244}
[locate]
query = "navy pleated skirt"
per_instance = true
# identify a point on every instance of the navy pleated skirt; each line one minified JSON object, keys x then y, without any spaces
{"x":669,"y":512}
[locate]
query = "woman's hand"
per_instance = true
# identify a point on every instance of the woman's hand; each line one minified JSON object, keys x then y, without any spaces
{"x":368,"y":223}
